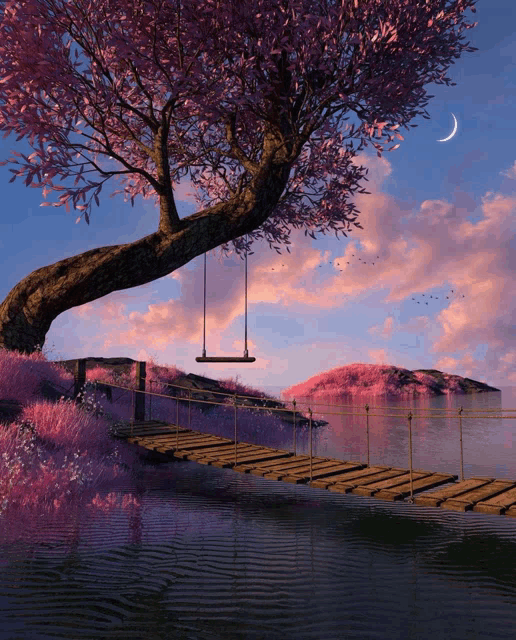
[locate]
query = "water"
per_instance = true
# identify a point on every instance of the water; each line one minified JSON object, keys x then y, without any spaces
{"x":215,"y":554}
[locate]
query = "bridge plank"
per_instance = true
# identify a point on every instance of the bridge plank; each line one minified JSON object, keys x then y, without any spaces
{"x":202,"y":447}
{"x":267,"y":465}
{"x":192,"y":441}
{"x":353,"y":484}
{"x":365,"y":471}
{"x":170,"y":443}
{"x":301,"y":478}
{"x":482,"y":495}
{"x":497,"y":504}
{"x":256,"y":457}
{"x":202,"y":457}
{"x":280,"y":474}
{"x":435,"y":498}
{"x":253,"y":449}
{"x":373,"y":487}
{"x":466,"y":501}
{"x":402,"y":491}
{"x":290,"y":465}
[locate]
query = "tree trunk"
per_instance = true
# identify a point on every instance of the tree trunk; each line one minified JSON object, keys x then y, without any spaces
{"x":31,"y":306}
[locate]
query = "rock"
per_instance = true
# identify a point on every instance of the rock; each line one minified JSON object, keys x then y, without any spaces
{"x":117,"y":365}
{"x":466,"y":385}
{"x":91,"y":363}
{"x":10,"y":410}
{"x":50,"y":392}
{"x":203,"y":388}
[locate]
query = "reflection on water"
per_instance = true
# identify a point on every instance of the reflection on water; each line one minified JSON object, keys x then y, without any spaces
{"x":207,"y":553}
{"x":487,"y":440}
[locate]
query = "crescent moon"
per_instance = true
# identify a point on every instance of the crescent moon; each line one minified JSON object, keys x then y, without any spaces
{"x":452,"y":133}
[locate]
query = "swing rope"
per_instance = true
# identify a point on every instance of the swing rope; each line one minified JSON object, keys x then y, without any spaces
{"x":246,"y":357}
{"x":204,"y":321}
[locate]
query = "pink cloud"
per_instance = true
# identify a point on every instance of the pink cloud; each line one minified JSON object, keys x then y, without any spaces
{"x":415,"y":247}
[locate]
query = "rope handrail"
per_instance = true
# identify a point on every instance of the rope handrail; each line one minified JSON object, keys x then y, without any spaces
{"x":312,"y":403}
{"x":459,"y":410}
{"x":301,"y":402}
{"x":269,"y":399}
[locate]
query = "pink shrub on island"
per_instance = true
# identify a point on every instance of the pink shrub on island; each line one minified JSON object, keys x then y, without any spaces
{"x":359,"y":379}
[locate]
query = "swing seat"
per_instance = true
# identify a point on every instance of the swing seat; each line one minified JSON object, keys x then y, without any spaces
{"x":224,"y":359}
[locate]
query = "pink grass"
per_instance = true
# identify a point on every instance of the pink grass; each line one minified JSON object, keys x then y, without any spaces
{"x":60,"y":456}
{"x":359,"y":379}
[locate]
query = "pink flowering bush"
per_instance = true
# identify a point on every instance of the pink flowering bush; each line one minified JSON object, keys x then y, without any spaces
{"x":364,"y":380}
{"x":60,"y":455}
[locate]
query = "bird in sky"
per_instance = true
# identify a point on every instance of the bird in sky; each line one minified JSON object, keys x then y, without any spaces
{"x":338,"y":264}
{"x":437,"y":297}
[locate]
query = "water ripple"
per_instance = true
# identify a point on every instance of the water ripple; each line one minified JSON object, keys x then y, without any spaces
{"x":213,"y":554}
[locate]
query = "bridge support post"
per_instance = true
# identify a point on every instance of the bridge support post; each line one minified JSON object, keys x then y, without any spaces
{"x":410,"y":454}
{"x":367,"y":426}
{"x":310,"y":412}
{"x":460,"y":435}
{"x":235,"y":401}
{"x":139,"y":404}
{"x":79,"y":377}
{"x":294,"y":403}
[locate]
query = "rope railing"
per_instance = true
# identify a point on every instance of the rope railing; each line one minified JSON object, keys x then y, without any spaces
{"x":294,"y":402}
{"x":459,"y":413}
{"x":315,"y":403}
{"x":80,"y":379}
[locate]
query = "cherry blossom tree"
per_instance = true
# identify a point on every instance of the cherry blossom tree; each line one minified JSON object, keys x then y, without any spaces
{"x":246,"y":96}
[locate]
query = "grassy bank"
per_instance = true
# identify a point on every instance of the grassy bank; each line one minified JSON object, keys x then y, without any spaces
{"x":61,"y":455}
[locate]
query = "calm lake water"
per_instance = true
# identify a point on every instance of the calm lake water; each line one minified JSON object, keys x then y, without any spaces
{"x":215,"y":554}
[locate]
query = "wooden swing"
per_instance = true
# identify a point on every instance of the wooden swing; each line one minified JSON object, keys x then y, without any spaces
{"x":204,"y":358}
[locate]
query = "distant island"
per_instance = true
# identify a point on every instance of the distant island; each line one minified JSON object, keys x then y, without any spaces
{"x":384,"y":380}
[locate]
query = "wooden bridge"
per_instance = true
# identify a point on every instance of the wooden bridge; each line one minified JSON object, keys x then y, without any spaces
{"x":479,"y":494}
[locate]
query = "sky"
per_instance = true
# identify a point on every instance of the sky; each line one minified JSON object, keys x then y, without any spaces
{"x":438,"y":225}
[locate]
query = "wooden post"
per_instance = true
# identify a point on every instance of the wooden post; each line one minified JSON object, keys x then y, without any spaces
{"x":235,"y":401}
{"x":294,"y":403}
{"x":367,"y":421}
{"x":461,"y":456}
{"x":139,"y":405}
{"x":310,"y":412}
{"x":79,"y":377}
{"x":411,"y":499}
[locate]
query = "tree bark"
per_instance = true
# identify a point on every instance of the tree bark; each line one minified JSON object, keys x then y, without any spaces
{"x":29,"y":309}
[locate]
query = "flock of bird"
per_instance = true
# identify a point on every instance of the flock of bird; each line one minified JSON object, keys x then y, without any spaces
{"x":414,"y":299}
{"x":353,"y":255}
{"x":437,"y":297}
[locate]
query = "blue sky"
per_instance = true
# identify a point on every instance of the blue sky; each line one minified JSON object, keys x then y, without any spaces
{"x":440,"y":217}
